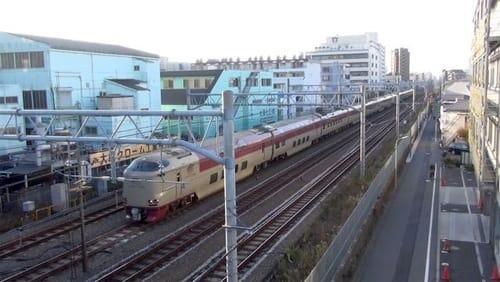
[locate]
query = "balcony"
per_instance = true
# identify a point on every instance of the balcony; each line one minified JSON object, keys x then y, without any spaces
{"x":115,"y":102}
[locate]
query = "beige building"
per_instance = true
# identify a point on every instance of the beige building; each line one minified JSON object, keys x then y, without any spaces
{"x":400,"y":63}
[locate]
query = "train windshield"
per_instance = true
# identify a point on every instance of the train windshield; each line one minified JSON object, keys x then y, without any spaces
{"x":144,"y":165}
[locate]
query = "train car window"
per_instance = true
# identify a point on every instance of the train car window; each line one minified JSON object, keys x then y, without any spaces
{"x":307,"y":139}
{"x":179,"y":177}
{"x":323,"y":126}
{"x":236,"y":169}
{"x":263,"y":147}
{"x":294,"y":143}
{"x":147,"y":165}
{"x":222,"y":175}
{"x":213,"y":178}
{"x":303,"y":140}
{"x":277,"y":145}
{"x":244,"y":165}
{"x":298,"y":142}
{"x":282,"y":143}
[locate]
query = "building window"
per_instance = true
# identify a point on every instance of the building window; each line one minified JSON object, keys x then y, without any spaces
{"x":213,"y":178}
{"x":11,"y":100}
{"x":234,"y":82}
{"x":186,"y":84}
{"x":22,"y":60}
{"x":196,"y":83}
{"x":170,"y":83}
{"x":8,"y":130}
{"x":90,"y":130}
{"x":137,"y":68}
{"x":36,"y":60}
{"x":252,"y":82}
{"x":325,"y":69}
{"x":8,"y":100}
{"x":7,"y":60}
{"x":36,"y":99}
{"x":266,"y":82}
{"x":208,"y":82}
{"x":325,"y":78}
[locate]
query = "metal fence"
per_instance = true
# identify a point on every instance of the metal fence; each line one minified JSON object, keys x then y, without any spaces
{"x":338,"y":251}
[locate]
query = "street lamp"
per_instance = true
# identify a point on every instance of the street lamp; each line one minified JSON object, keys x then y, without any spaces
{"x":398,"y":139}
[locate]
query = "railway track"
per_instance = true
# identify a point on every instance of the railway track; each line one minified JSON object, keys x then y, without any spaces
{"x":164,"y":251}
{"x":71,"y":257}
{"x":16,"y":246}
{"x":252,"y":247}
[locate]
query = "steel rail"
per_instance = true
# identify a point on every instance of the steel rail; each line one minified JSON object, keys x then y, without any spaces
{"x":134,"y":267}
{"x":14,"y":246}
{"x":280,"y":219}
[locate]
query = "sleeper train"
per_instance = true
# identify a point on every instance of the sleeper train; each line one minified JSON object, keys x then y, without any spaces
{"x":158,"y":183}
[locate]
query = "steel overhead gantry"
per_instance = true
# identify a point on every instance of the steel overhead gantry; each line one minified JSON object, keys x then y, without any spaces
{"x":44,"y":131}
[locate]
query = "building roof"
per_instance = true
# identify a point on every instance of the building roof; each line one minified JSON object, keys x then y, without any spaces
{"x":455,"y":88}
{"x":458,"y":106}
{"x":130,"y":83}
{"x":456,"y":97}
{"x":191,"y":73}
{"x":84,"y":46}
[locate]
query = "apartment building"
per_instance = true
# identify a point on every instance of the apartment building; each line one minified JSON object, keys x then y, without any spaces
{"x":400,"y":63}
{"x":484,"y":107}
{"x":361,"y":55}
{"x":294,"y":74}
{"x":201,"y":90}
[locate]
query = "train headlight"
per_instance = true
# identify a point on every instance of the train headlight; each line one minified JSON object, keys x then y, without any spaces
{"x":153,"y":202}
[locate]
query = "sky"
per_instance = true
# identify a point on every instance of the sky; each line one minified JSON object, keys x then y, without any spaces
{"x":438,"y":33}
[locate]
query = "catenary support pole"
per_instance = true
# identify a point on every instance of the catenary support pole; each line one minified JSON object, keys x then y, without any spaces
{"x":396,"y":141}
{"x":413,"y":99}
{"x":82,"y":233}
{"x":362,"y":137}
{"x":229,"y":187}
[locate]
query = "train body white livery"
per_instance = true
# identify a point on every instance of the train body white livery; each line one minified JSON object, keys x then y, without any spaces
{"x":161,"y":182}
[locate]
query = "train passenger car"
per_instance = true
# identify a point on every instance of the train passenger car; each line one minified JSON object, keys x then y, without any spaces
{"x":160,"y":182}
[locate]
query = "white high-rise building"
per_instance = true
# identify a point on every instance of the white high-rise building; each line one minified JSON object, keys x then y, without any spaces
{"x":362,"y":55}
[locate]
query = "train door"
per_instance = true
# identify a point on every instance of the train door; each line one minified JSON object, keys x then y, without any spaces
{"x":272,"y":147}
{"x":180,"y":185}
{"x":263,"y":150}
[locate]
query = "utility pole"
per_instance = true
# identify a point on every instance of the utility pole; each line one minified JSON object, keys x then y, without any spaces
{"x":396,"y":141}
{"x":288,"y":107}
{"x":229,"y":188}
{"x":362,"y":137}
{"x":82,"y":231}
{"x":413,"y":100}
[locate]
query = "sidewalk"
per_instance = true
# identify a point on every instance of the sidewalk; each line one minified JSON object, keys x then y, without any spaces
{"x":464,"y":253}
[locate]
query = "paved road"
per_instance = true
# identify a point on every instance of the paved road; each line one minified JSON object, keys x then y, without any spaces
{"x":398,"y":250}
